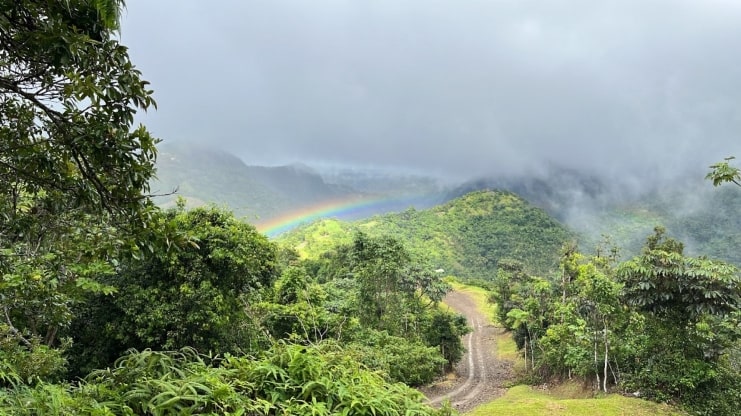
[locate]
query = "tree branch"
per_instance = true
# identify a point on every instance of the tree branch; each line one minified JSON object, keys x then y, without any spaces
{"x":13,"y":329}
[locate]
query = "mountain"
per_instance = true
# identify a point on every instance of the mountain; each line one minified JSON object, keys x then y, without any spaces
{"x":705,"y":218}
{"x":466,"y":236}
{"x":261,"y":194}
{"x":204,"y":175}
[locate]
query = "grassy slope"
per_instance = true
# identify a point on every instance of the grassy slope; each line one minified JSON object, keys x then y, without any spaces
{"x":567,"y":399}
{"x":466,"y":237}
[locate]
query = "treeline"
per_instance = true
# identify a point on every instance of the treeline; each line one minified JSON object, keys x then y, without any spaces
{"x":662,"y":325}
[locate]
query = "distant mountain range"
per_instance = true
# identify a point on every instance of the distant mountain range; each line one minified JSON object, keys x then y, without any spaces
{"x":279,"y":198}
{"x":261,"y":194}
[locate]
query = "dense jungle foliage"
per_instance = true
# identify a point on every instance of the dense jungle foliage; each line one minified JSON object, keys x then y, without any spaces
{"x":111,"y":306}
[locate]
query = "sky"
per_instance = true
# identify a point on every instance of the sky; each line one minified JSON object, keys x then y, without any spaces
{"x":457,"y":88}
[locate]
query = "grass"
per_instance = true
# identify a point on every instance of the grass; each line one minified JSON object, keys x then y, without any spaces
{"x":524,"y":401}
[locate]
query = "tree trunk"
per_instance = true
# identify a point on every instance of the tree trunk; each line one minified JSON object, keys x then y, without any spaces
{"x":526,"y":354}
{"x":604,"y":374}
{"x":596,"y":363}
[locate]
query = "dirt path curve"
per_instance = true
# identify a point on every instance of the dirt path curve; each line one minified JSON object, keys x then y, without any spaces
{"x":480,"y":375}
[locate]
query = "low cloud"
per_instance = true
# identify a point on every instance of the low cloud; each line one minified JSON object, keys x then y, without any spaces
{"x":626,"y":88}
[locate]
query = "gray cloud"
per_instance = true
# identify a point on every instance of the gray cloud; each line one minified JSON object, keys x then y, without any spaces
{"x":460,"y":88}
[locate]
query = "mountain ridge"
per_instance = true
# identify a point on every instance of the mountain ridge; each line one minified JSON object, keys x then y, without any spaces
{"x":691,"y":209}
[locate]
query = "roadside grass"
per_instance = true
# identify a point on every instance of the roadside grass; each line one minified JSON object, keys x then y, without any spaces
{"x":525,"y":401}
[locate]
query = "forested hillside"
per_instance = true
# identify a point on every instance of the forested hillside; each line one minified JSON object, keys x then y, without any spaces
{"x":706,"y":219}
{"x":663,"y":324}
{"x":690,"y":209}
{"x":466,"y":237}
{"x":113,"y":305}
{"x":204,"y":175}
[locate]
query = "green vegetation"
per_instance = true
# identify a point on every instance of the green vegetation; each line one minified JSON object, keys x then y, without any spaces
{"x":287,"y":379}
{"x":526,"y":401}
{"x":705,"y":219}
{"x":662,"y":324}
{"x":394,"y":302}
{"x":73,"y":172}
{"x":92,"y":275}
{"x":465,"y":237}
{"x":191,"y":296}
{"x":568,"y":398}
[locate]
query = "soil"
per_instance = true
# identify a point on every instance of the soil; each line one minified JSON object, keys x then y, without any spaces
{"x":479,"y":377}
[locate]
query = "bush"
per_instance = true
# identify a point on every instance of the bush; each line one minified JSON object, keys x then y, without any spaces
{"x":401,"y":360}
{"x":287,"y":379}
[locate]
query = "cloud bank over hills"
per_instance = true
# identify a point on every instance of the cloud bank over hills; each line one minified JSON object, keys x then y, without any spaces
{"x":628,"y":89}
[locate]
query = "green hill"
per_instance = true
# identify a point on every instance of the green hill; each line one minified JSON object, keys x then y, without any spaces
{"x":705,"y":218}
{"x":466,"y":236}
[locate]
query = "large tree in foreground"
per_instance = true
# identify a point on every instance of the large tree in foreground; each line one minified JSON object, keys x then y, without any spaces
{"x":73,"y":167}
{"x":191,"y":296}
{"x":68,"y":96}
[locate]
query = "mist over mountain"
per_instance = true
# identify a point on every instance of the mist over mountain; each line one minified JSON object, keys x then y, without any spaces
{"x":705,"y":218}
{"x":628,"y":90}
{"x":204,"y":175}
{"x":593,"y":206}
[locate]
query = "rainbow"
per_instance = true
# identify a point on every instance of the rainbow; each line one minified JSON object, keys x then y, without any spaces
{"x":348,"y":208}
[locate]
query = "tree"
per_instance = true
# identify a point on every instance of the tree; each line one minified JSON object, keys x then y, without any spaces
{"x":723,"y":172}
{"x":392,"y":289}
{"x":691,"y":308}
{"x":74,"y":169}
{"x":193,"y":295}
{"x":665,"y":283}
{"x":69,"y":95}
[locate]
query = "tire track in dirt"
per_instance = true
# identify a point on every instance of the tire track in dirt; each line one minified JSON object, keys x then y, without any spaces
{"x":480,"y":375}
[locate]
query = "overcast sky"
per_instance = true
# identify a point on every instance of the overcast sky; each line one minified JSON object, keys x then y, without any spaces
{"x":457,"y":87}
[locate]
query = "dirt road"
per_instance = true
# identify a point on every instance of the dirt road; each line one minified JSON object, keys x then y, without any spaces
{"x":480,"y":375}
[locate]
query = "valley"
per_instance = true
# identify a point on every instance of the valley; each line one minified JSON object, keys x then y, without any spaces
{"x":281,"y":198}
{"x":369,"y":208}
{"x":524,"y":240}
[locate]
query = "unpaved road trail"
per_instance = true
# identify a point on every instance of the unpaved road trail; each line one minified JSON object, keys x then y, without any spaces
{"x":479,"y":376}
